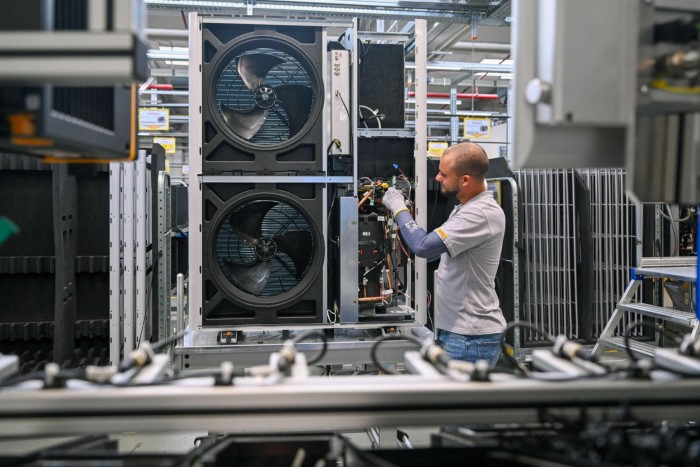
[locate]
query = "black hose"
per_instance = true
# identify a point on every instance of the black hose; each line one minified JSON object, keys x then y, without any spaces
{"x":373,"y":350}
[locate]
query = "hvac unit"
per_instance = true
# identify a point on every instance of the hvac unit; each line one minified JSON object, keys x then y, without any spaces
{"x":262,"y":95}
{"x":263,"y":253}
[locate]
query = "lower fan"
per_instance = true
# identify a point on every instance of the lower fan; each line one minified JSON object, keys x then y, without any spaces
{"x":263,"y":253}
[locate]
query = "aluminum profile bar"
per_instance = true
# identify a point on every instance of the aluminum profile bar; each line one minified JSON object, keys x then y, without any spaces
{"x":439,"y":11}
{"x":116,"y":278}
{"x":180,"y":306}
{"x":194,"y":199}
{"x":140,"y":197}
{"x":162,"y":257}
{"x":465,"y":66}
{"x":420,"y":155}
{"x":129,"y":257}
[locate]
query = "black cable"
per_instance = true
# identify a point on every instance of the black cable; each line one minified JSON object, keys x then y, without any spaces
{"x":335,"y":142}
{"x":375,"y":346}
{"x":169,"y":340}
{"x":344,"y":104}
{"x":306,"y":335}
{"x":149,"y":291}
{"x":628,"y":331}
{"x":504,"y":350}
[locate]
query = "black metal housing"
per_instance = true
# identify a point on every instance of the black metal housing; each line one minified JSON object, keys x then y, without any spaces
{"x":226,"y":305}
{"x":222,"y":150}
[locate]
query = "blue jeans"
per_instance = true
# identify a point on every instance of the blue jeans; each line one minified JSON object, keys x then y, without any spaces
{"x":471,"y":348}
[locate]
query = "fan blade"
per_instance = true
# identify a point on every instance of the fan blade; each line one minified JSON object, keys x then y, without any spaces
{"x":296,"y":102}
{"x":251,"y":278}
{"x":247,"y":221}
{"x":298,"y":245}
{"x":245,"y":123}
{"x":254,"y":67}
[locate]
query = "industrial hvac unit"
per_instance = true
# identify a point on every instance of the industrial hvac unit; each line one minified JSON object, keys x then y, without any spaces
{"x":261,"y":133}
{"x":278,"y":235}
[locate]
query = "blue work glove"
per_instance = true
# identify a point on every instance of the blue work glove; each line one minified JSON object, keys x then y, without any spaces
{"x":394,"y":201}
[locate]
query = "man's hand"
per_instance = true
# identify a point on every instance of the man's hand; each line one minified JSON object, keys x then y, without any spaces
{"x":394,"y":201}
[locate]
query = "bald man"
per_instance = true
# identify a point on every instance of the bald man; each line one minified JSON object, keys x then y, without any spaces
{"x":468,"y":319}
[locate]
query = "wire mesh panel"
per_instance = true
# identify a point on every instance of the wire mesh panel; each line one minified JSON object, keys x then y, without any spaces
{"x":549,"y":239}
{"x":613,"y":221}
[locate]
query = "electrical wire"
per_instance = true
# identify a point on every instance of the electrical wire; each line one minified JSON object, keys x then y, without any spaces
{"x":307,"y":335}
{"x":504,"y":350}
{"x":377,"y":342}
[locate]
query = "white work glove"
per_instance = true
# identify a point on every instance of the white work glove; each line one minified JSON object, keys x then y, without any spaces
{"x":394,"y":201}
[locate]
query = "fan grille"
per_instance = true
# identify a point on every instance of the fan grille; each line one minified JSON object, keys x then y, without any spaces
{"x":231,"y":91}
{"x":281,"y":220}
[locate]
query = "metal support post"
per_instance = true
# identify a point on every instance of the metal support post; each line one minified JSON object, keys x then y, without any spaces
{"x":65,"y":205}
{"x":454,"y":120}
{"x":140,"y":196}
{"x":162,"y":257}
{"x":129,"y":260}
{"x":180,"y":305}
{"x":116,"y":279}
{"x":420,"y":155}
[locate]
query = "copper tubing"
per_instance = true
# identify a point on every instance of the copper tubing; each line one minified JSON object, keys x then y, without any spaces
{"x":365,"y":198}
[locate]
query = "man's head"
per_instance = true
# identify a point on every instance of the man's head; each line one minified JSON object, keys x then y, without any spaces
{"x":462,"y":171}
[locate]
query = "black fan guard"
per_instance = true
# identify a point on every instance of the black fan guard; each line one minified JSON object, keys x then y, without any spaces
{"x":240,"y":47}
{"x":237,"y":292}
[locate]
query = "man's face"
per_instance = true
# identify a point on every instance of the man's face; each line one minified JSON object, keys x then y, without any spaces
{"x":447,"y":178}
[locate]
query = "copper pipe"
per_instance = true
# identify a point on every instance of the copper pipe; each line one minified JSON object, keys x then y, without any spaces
{"x":365,"y":198}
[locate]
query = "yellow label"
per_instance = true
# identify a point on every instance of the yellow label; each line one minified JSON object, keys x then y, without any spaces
{"x":168,"y":143}
{"x":437,"y":148}
{"x":477,"y":127}
{"x":154,"y":119}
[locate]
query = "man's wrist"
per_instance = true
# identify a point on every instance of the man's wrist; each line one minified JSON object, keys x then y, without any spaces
{"x":399,"y":211}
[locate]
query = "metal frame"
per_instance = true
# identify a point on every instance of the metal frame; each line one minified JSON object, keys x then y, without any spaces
{"x":128,"y":256}
{"x":163,"y":260}
{"x":141,"y":195}
{"x":440,"y":11}
{"x":194,"y":200}
{"x":129,"y":259}
{"x":516,"y":262}
{"x":116,"y":273}
{"x":312,"y":404}
{"x":421,"y":161}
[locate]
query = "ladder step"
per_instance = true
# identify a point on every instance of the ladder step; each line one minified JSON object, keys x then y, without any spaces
{"x":637,"y":347}
{"x":666,"y":314}
{"x":682,"y":273}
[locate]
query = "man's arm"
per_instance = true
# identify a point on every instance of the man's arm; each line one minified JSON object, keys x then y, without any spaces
{"x":423,"y":244}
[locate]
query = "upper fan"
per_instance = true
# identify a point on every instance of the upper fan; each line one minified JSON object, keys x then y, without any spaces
{"x":265,"y":247}
{"x":265,"y":95}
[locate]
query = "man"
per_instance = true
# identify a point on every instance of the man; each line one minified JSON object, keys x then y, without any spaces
{"x":468,"y":320}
